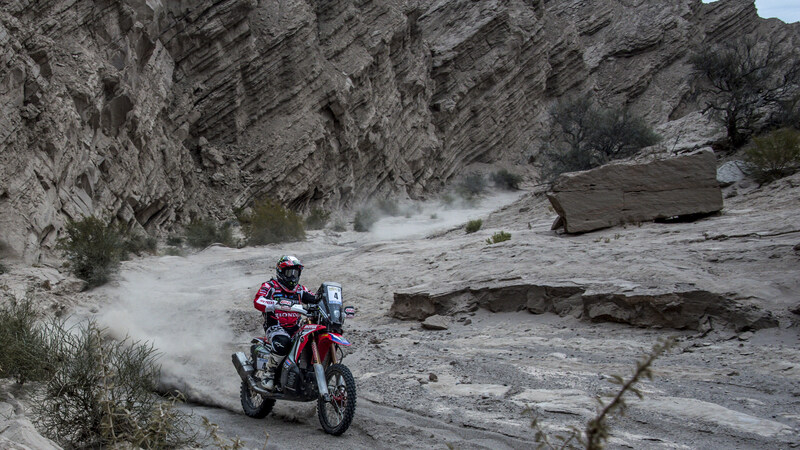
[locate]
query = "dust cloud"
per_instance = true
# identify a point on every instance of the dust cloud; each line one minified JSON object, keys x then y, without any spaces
{"x":432,"y":216}
{"x":178,"y":305}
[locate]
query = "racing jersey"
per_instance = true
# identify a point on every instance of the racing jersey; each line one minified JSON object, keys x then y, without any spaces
{"x":271,"y":293}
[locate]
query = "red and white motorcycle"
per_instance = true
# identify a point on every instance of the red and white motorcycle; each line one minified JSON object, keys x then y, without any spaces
{"x":311,"y":371}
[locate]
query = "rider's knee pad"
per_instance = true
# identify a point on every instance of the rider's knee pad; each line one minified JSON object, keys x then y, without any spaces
{"x":281,"y":345}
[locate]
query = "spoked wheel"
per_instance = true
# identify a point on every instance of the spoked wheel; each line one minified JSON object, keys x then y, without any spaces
{"x":336,"y":415}
{"x":253,"y":404}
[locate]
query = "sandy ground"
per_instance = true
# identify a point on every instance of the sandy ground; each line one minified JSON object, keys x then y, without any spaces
{"x":468,"y":386}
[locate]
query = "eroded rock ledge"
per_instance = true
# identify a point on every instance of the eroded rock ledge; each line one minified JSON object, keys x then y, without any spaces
{"x":691,"y":309}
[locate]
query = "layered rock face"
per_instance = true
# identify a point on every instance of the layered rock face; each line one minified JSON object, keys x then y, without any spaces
{"x":152,"y":112}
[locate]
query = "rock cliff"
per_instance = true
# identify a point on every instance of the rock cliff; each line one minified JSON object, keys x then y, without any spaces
{"x":152,"y":112}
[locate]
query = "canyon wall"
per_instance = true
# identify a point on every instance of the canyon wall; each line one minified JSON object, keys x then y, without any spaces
{"x":153,"y":112}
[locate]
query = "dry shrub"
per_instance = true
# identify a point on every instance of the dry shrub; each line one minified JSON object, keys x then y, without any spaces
{"x":471,"y":186}
{"x":100,"y":393}
{"x":93,"y":249}
{"x":389,"y":207}
{"x":339,"y":226}
{"x":23,"y":352}
{"x":774,"y":155}
{"x":317,"y":219}
{"x":175,"y":241}
{"x":364,"y":219}
{"x":271,"y":223}
{"x":139,"y":244}
{"x":201,"y":233}
{"x":174,"y":251}
{"x":506,"y":180}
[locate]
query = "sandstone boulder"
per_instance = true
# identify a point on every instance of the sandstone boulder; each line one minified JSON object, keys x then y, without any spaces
{"x":633,"y":192}
{"x":436,"y":322}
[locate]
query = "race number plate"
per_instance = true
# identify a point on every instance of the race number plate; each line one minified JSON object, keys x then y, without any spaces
{"x":334,"y":294}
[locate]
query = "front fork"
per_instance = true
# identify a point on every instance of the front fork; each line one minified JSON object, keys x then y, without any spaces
{"x":319,"y":371}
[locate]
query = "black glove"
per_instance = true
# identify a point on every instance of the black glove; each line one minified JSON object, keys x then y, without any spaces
{"x":308,"y":298}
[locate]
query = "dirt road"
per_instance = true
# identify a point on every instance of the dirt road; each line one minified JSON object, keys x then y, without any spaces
{"x":468,"y":386}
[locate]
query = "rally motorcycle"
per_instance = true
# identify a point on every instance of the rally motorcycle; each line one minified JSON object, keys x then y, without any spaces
{"x":311,"y":371}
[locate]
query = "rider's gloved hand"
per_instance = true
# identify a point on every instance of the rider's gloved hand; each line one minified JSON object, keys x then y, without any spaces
{"x":308,"y":298}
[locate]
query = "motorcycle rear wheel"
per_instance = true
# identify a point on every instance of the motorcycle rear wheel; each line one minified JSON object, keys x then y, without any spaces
{"x":253,"y":404}
{"x":336,"y":415}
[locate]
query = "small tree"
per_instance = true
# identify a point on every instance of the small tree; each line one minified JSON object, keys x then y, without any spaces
{"x":744,"y":78}
{"x":590,"y":136}
{"x":92,"y":248}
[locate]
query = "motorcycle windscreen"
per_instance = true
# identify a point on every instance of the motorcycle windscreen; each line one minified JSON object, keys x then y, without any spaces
{"x":333,"y":293}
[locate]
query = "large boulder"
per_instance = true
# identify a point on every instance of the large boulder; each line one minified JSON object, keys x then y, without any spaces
{"x":632,"y":192}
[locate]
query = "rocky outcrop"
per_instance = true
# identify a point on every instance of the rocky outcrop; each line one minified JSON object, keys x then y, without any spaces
{"x":16,"y":429}
{"x":634,"y":192}
{"x":151,"y":113}
{"x":691,"y":309}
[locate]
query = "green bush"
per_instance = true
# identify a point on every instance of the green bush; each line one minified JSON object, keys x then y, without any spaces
{"x":139,"y":244}
{"x":317,"y":219}
{"x":474,"y":225}
{"x":174,"y":251}
{"x":500,"y":236}
{"x":270,"y":223}
{"x":447,"y":199}
{"x":23,"y":351}
{"x":92,"y":248}
{"x":506,"y":180}
{"x":389,"y":207}
{"x":471,"y":186}
{"x":201,"y":233}
{"x":339,"y":226}
{"x":365,"y":218}
{"x":100,"y":394}
{"x":774,"y":155}
{"x":3,"y":268}
{"x":175,"y":241}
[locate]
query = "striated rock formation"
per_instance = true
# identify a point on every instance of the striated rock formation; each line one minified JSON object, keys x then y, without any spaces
{"x":151,"y":112}
{"x":634,"y":192}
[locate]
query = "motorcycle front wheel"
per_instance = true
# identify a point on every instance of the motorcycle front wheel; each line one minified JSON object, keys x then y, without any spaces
{"x":335,"y":415}
{"x":253,"y":404}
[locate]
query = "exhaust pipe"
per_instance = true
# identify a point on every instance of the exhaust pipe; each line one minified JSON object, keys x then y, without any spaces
{"x":246,"y":371}
{"x":243,"y":367}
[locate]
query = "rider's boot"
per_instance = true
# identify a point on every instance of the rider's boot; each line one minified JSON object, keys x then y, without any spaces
{"x":269,"y":377}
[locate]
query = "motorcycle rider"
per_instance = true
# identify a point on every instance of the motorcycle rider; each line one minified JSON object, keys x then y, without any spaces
{"x":274,"y":300}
